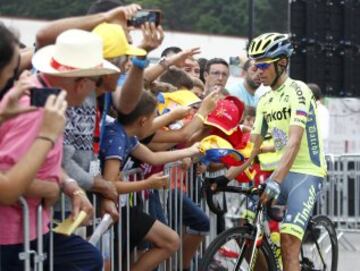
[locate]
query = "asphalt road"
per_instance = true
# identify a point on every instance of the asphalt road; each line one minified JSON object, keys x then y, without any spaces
{"x":349,"y":259}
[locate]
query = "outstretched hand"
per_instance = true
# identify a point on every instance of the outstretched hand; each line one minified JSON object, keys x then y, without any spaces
{"x":178,"y":59}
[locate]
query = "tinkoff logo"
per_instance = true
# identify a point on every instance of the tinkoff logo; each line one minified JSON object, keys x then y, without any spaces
{"x":302,"y":217}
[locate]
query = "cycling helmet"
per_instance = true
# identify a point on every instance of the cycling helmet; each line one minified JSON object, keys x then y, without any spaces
{"x":270,"y":45}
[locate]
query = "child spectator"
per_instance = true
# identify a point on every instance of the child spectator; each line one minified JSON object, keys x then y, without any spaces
{"x":120,"y":140}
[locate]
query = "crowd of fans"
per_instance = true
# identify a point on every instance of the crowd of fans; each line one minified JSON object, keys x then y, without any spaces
{"x":115,"y":112}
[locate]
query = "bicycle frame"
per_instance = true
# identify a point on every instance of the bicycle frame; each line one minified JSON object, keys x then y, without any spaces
{"x":262,"y":231}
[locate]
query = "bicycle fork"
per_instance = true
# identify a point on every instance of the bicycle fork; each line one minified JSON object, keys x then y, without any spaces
{"x":254,"y":250}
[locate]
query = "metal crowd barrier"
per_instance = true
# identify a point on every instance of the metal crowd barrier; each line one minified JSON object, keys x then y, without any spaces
{"x":340,"y":196}
{"x":339,"y":199}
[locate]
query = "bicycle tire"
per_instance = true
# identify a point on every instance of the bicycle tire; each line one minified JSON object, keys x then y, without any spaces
{"x":239,"y":232}
{"x":327,"y":224}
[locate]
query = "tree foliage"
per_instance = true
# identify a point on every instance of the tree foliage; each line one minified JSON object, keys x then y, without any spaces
{"x":228,"y":17}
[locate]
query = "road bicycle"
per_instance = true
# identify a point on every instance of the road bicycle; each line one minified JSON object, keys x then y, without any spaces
{"x":250,"y":247}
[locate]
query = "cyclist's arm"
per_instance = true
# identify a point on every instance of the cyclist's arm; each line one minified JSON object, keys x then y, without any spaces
{"x":291,"y":150}
{"x":235,"y":171}
{"x":259,"y":131}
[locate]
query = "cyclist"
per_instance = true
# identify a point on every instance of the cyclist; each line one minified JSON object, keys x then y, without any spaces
{"x":289,"y":113}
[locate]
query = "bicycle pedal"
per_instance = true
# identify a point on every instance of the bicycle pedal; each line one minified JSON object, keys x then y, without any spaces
{"x":307,"y":265}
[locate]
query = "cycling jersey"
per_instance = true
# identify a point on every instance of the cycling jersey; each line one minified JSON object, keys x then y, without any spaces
{"x":292,"y":104}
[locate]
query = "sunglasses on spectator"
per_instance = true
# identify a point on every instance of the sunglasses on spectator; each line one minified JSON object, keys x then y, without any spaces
{"x":266,"y":64}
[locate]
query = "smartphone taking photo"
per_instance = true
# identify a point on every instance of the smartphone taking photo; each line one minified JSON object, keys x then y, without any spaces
{"x":38,"y":96}
{"x":145,"y":15}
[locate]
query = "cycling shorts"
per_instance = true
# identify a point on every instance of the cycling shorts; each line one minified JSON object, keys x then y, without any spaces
{"x":299,"y":193}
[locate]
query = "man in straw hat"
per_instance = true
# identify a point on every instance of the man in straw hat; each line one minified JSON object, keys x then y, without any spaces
{"x":75,"y":64}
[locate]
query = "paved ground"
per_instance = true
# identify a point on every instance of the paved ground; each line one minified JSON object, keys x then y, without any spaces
{"x":348,"y":258}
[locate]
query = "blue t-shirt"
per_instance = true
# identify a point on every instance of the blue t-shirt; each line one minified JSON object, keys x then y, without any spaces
{"x":107,"y":105}
{"x":240,"y":91}
{"x":116,"y":144}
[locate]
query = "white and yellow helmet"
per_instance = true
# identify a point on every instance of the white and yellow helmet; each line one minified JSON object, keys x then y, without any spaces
{"x":270,"y":46}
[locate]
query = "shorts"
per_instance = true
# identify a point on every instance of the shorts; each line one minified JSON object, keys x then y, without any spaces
{"x":140,"y":225}
{"x":155,"y":207}
{"x":299,"y":193}
{"x":193,"y":217}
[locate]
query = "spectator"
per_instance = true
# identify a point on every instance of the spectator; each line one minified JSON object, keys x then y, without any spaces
{"x":120,"y":141}
{"x":245,"y":90}
{"x":178,"y":78}
{"x":324,"y":115}
{"x":198,"y":88}
{"x":79,"y":155}
{"x":192,"y":67}
{"x":15,"y":181}
{"x":170,"y":51}
{"x":125,"y":97}
{"x":216,"y":75}
{"x":75,"y":64}
{"x":202,"y":64}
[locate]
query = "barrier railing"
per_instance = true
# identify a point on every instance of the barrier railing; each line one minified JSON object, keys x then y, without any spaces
{"x":339,"y":199}
{"x":340,"y":195}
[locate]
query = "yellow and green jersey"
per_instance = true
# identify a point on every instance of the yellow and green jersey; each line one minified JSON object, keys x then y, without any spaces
{"x":293,"y":104}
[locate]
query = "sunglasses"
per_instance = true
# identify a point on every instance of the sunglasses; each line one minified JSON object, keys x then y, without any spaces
{"x":264,"y":65}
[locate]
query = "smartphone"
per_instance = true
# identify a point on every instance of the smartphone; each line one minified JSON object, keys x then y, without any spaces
{"x":38,"y":96}
{"x":145,"y":15}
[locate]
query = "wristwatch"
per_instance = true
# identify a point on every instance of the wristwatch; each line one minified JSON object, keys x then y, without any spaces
{"x":140,"y":63}
{"x":164,"y":63}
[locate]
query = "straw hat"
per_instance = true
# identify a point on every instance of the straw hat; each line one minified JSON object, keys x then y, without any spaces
{"x":76,"y":53}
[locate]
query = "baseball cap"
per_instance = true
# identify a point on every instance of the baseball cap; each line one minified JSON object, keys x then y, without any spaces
{"x":115,"y":43}
{"x":227,"y":115}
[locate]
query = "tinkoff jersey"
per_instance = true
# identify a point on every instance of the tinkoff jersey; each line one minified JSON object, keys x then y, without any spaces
{"x":293,"y":104}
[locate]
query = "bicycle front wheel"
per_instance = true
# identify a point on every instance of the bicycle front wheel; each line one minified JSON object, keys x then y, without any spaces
{"x":231,"y":250}
{"x":320,"y":246}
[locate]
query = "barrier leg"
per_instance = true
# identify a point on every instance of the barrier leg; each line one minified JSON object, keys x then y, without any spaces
{"x":40,"y":256}
{"x":26,"y":254}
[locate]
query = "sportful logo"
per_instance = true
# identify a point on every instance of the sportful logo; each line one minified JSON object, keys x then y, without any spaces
{"x":299,"y":93}
{"x":278,"y":115}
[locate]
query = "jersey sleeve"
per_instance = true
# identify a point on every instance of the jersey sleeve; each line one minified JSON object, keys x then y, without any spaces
{"x":114,"y":145}
{"x":260,"y":125}
{"x":300,"y":104}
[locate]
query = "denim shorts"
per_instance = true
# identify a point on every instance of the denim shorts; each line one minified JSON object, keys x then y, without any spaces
{"x":195,"y":220}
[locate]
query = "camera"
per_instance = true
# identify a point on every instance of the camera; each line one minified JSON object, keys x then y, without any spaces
{"x":145,"y":15}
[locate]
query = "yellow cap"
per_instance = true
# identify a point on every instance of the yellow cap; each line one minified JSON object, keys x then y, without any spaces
{"x":169,"y":100}
{"x":115,"y":43}
{"x":183,"y":97}
{"x":214,"y":142}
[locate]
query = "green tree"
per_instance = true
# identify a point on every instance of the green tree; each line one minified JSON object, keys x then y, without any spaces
{"x":228,"y":17}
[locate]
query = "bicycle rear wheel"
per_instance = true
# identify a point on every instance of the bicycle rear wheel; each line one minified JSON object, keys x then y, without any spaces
{"x":320,"y":246}
{"x":228,"y":252}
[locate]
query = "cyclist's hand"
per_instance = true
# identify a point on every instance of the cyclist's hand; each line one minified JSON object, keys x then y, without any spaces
{"x":272,"y":191}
